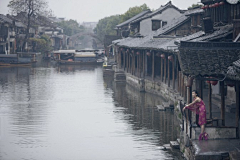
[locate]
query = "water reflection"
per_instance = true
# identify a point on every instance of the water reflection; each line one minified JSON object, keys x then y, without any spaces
{"x":67,"y":113}
{"x":138,"y":110}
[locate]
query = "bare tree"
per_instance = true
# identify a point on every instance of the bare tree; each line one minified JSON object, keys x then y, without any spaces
{"x":31,"y":8}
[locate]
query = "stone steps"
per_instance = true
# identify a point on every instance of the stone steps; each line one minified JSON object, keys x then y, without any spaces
{"x":174,"y":144}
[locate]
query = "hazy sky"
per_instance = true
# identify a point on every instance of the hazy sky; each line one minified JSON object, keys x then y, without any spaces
{"x":94,"y":10}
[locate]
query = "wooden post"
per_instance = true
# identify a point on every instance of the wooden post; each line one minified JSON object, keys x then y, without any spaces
{"x":144,"y":64}
{"x":173,"y":73}
{"x":161,"y":69}
{"x":133,"y":58}
{"x":200,"y":89}
{"x":222,"y":103}
{"x":189,"y":99}
{"x":182,"y":86}
{"x":139,"y":63}
{"x":168,"y":73}
{"x":153,"y":66}
{"x":165,"y":70}
{"x":237,"y":107}
{"x":210,"y":100}
{"x":177,"y":72}
{"x":180,"y":83}
{"x":124,"y":59}
{"x":129,"y":57}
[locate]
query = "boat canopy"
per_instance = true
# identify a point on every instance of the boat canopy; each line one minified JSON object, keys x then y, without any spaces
{"x":64,"y":51}
{"x":85,"y":54}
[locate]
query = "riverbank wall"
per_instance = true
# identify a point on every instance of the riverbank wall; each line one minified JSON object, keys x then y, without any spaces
{"x":190,"y":147}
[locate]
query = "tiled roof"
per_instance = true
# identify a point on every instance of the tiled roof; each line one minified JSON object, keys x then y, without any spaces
{"x":218,"y":33}
{"x":207,"y":58}
{"x":159,"y":10}
{"x":194,"y":11}
{"x":234,"y":70}
{"x":163,"y":42}
{"x":133,"y":18}
{"x":5,"y":19}
{"x":172,"y":25}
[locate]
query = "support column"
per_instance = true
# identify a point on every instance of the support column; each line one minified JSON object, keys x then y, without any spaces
{"x":161,"y":69}
{"x":138,"y":59}
{"x":124,"y":60}
{"x":222,"y":103}
{"x":237,"y":108}
{"x":133,"y":58}
{"x":168,"y":73}
{"x":141,"y":64}
{"x":165,"y":70}
{"x":144,"y":64}
{"x":210,"y":100}
{"x":180,"y":83}
{"x":173,"y":73}
{"x":153,"y":66}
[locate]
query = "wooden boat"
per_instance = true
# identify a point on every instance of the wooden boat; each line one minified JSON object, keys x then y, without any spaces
{"x":75,"y":57}
{"x":19,"y":59}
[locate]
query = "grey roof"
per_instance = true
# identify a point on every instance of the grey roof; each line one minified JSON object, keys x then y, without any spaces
{"x":133,"y":18}
{"x":218,"y":33}
{"x":194,"y":11}
{"x":234,"y":70}
{"x":159,"y":10}
{"x":207,"y":58}
{"x":163,"y":42}
{"x":5,"y":19}
{"x":172,"y":25}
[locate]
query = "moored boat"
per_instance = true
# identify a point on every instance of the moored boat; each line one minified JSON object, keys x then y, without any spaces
{"x":75,"y":57}
{"x":19,"y":59}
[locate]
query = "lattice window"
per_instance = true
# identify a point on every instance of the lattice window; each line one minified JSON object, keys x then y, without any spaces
{"x":156,"y":24}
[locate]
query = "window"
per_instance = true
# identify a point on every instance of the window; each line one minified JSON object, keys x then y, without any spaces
{"x":156,"y":24}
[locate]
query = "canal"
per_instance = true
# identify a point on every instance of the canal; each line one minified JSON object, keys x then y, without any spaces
{"x":73,"y":113}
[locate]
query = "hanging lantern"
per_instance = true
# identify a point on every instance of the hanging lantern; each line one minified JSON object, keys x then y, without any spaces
{"x":208,"y":80}
{"x":216,"y":4}
{"x":206,"y":6}
{"x":189,"y":82}
{"x":138,"y":53}
{"x":210,"y":6}
{"x":230,"y":83}
{"x":221,"y":3}
{"x":170,"y":58}
{"x":162,"y":56}
{"x":148,"y":54}
{"x":203,"y":7}
{"x":214,"y":82}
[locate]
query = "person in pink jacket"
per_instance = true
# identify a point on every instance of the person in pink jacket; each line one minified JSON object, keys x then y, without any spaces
{"x":199,"y":108}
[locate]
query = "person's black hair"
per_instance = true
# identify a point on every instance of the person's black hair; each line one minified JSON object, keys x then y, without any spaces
{"x":196,"y":92}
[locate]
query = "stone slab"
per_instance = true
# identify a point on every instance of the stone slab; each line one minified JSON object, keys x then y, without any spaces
{"x":214,"y":149}
{"x":167,"y":146}
{"x":174,"y":144}
{"x":160,"y":108}
{"x":234,"y":155}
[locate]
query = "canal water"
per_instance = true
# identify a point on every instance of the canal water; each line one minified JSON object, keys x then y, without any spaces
{"x":73,"y":113}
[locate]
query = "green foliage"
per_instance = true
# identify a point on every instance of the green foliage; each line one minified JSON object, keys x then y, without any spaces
{"x":133,"y":11}
{"x":71,"y":27}
{"x":195,"y":6}
{"x":106,"y":25}
{"x":42,"y":44}
{"x":180,"y":116}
